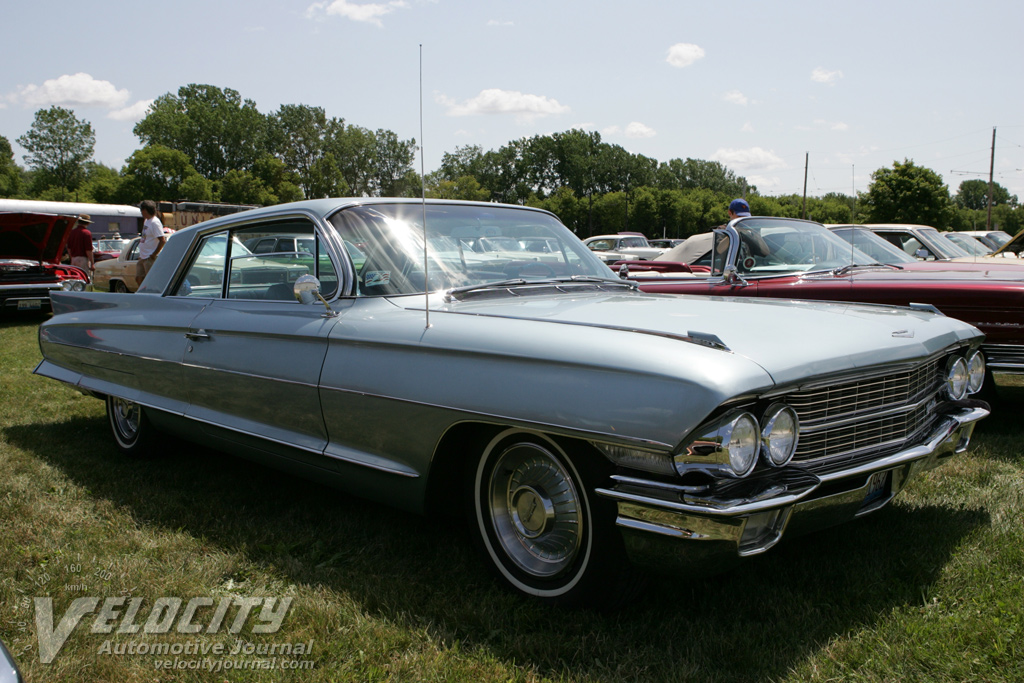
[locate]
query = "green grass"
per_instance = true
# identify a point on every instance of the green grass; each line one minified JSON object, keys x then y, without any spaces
{"x":929,"y":589}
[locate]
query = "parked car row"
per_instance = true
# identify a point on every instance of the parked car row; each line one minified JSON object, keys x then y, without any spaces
{"x":422,"y":354}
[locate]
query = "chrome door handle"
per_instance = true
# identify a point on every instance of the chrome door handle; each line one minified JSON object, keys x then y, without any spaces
{"x":198,"y":334}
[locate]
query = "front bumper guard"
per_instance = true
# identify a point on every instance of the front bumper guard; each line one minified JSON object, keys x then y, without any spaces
{"x":719,"y":528}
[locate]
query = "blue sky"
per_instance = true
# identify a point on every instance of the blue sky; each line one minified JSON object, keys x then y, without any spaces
{"x":755,"y":85}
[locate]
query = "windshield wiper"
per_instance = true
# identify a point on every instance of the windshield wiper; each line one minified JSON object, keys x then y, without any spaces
{"x":846,"y":269}
{"x":452,"y":294}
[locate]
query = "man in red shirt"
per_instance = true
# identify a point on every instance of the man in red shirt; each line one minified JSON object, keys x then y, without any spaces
{"x":80,"y":245}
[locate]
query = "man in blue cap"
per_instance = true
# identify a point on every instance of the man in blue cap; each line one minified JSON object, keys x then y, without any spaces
{"x":738,"y":208}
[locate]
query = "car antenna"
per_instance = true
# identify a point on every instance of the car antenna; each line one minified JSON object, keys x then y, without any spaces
{"x":423,"y":203}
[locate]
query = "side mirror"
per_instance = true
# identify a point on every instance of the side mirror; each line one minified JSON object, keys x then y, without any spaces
{"x":307,"y":291}
{"x":624,"y":271}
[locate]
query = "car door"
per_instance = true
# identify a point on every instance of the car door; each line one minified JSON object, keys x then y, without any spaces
{"x":254,"y":354}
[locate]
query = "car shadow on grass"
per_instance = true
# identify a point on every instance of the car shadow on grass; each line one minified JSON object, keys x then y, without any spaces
{"x":753,"y":623}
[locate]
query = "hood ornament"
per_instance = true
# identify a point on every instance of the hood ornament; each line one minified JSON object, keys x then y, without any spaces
{"x":904,"y":334}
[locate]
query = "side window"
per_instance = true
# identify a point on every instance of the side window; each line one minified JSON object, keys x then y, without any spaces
{"x":265,"y":246}
{"x":205,"y":275}
{"x":283,"y":251}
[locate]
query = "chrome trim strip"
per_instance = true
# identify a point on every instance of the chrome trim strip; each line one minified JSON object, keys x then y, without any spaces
{"x":614,"y":439}
{"x":39,"y":285}
{"x":698,"y":338}
{"x":653,"y":528}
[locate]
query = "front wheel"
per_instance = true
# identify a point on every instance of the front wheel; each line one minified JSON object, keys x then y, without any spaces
{"x":542,"y":528}
{"x":133,"y":432}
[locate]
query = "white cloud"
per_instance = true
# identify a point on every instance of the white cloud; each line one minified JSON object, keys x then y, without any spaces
{"x":135,"y":112}
{"x":821,"y":75}
{"x":735,"y":97}
{"x":822,"y":124}
{"x":369,"y":13}
{"x":748,"y":127}
{"x":497,"y":101}
{"x":639,"y":130}
{"x":496,"y":22}
{"x":77,"y":89}
{"x":751,"y":159}
{"x":763,"y":182}
{"x":682,"y":55}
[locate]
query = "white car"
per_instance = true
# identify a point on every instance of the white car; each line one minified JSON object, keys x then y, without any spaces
{"x":622,"y":247}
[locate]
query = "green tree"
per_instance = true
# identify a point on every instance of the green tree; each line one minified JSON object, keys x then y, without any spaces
{"x":214,"y":127}
{"x":907,"y":193}
{"x":394,"y":174}
{"x":157,"y":172}
{"x":353,"y":151}
{"x":242,"y":187}
{"x":300,"y":135}
{"x":698,"y":173}
{"x":467,"y":187}
{"x":10,"y":174}
{"x":59,"y":145}
{"x":973,"y":194}
{"x":102,"y":185}
{"x":282,"y":182}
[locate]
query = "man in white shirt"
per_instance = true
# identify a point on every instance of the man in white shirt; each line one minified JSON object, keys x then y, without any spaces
{"x":153,"y":240}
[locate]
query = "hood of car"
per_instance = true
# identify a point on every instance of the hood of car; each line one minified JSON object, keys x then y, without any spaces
{"x":791,"y":340}
{"x":38,"y":237}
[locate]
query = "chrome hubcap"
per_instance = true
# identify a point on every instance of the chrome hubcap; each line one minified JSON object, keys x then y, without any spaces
{"x":126,"y":418}
{"x":535,"y":510}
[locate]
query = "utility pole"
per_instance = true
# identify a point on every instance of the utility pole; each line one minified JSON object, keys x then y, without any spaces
{"x":991,"y":168}
{"x":807,"y":160}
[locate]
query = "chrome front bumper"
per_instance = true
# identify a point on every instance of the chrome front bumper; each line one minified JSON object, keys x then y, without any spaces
{"x":654,"y":518}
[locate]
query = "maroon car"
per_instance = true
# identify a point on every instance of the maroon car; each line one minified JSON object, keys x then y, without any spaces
{"x":793,"y":259}
{"x":31,"y":245}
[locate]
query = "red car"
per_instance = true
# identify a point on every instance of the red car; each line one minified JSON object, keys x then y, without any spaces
{"x":793,"y":259}
{"x":31,"y":245}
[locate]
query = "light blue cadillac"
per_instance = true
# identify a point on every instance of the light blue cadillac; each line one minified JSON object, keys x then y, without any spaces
{"x":574,"y":419}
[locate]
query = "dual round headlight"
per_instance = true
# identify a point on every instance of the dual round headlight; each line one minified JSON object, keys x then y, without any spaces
{"x":737,"y":442}
{"x":779,"y":435}
{"x":964,"y":375}
{"x":73,"y":285}
{"x":742,"y":444}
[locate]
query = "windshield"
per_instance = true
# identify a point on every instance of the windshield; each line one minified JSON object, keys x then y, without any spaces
{"x":999,"y":238}
{"x":939,"y":244}
{"x":468,"y":246}
{"x":972,"y":246}
{"x":779,"y":246}
{"x":874,"y":246}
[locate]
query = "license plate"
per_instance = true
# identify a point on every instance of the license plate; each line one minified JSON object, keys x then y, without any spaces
{"x":33,"y":305}
{"x":877,"y":486}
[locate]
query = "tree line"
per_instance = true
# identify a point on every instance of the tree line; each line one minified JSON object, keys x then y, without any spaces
{"x":206,"y":143}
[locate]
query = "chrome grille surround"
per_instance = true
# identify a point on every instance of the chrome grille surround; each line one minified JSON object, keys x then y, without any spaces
{"x":864,"y":416}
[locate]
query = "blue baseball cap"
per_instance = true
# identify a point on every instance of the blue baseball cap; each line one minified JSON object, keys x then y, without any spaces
{"x":740,"y":207}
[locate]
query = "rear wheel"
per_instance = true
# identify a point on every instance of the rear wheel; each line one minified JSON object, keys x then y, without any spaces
{"x":133,"y":432}
{"x":119,"y":287}
{"x":541,"y":527}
